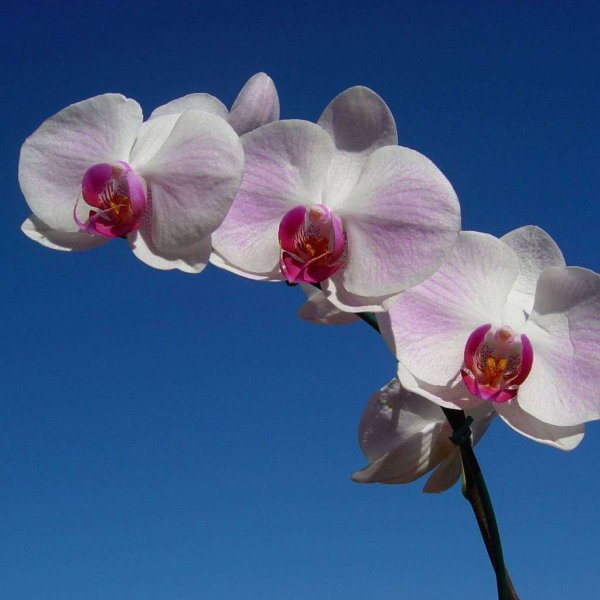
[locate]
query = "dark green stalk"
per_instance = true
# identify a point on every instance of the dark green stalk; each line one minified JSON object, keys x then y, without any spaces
{"x":476,"y":492}
{"x":369,"y":319}
{"x":474,"y":489}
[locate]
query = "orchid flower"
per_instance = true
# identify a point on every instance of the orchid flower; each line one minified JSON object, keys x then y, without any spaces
{"x":404,"y":436}
{"x":338,"y":203}
{"x":95,"y":171}
{"x":505,"y":323}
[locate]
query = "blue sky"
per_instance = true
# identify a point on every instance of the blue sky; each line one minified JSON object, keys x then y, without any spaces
{"x":175,"y":437}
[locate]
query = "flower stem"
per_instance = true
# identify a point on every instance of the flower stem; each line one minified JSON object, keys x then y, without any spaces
{"x":474,"y":489}
{"x":476,"y":492}
{"x":370,"y":319}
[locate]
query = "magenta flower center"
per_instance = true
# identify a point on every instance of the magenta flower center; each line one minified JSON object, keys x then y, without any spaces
{"x":313,"y":244}
{"x":497,"y":362}
{"x":117,"y":198}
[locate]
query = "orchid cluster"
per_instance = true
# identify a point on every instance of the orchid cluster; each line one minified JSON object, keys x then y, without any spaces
{"x":484,"y":325}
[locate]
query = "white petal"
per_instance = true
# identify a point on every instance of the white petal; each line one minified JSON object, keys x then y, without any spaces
{"x":151,"y":137}
{"x":257,"y":104}
{"x":203,"y":102}
{"x":218,"y":261}
{"x":445,"y":476}
{"x":564,"y":438}
{"x":286,"y":162}
{"x":36,"y":230}
{"x":401,"y":220}
{"x":318,"y":309}
{"x":402,"y":435}
{"x":427,"y":326}
{"x":339,"y":297}
{"x":191,"y":259}
{"x":563,"y":387}
{"x":359,"y":122}
{"x":154,"y":132}
{"x":193,"y":179}
{"x":536,"y":251}
{"x":56,"y":156}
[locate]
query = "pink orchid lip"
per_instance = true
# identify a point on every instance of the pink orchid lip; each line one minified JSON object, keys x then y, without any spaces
{"x":118,"y":194}
{"x":496,"y":362}
{"x":313,"y":244}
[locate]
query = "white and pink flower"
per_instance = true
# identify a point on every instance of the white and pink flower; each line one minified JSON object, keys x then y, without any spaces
{"x":404,"y":436}
{"x":95,"y":171}
{"x":340,"y":204}
{"x":504,"y":322}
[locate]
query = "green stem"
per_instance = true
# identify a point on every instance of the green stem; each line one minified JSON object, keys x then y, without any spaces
{"x":474,"y":490}
{"x":370,"y":319}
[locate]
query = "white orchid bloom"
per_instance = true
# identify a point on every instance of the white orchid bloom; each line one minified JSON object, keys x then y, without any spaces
{"x":96,"y":171}
{"x":404,"y":436}
{"x":505,"y":323}
{"x":339,"y":203}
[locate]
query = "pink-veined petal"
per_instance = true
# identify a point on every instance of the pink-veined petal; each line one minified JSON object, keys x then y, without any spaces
{"x":56,"y":156}
{"x":257,"y":104}
{"x":427,"y":326}
{"x":536,"y":251}
{"x":317,"y":309}
{"x":563,"y":387}
{"x":401,"y":220}
{"x":359,"y":122}
{"x":564,"y":438}
{"x":203,"y":102}
{"x":192,"y":180}
{"x":286,"y":162}
{"x":36,"y":230}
